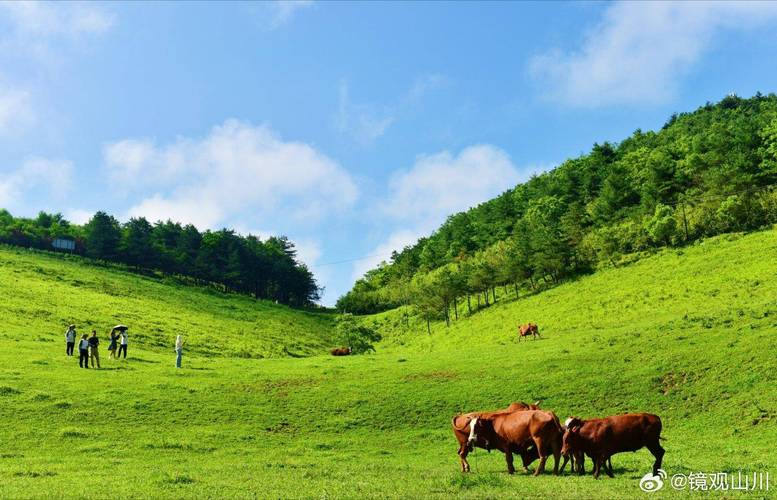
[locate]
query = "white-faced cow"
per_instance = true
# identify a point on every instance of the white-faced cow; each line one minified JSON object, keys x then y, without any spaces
{"x":512,"y":432}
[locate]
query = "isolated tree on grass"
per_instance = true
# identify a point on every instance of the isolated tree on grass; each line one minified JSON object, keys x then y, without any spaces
{"x":359,"y":337}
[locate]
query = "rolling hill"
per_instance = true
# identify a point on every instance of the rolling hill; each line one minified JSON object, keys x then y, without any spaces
{"x":686,"y":333}
{"x":43,"y":293}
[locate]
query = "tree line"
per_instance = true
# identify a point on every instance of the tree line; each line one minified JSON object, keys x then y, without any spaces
{"x":704,"y":173}
{"x":266,"y":269}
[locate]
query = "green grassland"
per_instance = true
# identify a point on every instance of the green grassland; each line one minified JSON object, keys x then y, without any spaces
{"x":688,"y":334}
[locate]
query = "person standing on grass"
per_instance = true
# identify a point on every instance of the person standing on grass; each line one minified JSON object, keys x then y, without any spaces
{"x":93,"y":351}
{"x":123,"y":344}
{"x":70,"y":339}
{"x":83,"y":351}
{"x":178,"y":350}
{"x":113,"y":345}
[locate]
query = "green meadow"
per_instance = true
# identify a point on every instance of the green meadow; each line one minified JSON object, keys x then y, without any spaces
{"x":261,"y":410}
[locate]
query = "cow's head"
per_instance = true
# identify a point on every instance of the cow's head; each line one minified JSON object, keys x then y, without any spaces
{"x":571,"y":440}
{"x":479,"y":432}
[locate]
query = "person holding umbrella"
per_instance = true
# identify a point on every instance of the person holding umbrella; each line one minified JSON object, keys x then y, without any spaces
{"x":124,"y":340}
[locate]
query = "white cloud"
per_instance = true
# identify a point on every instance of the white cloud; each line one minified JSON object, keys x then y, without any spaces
{"x":38,"y":178}
{"x":640,"y":50}
{"x":395,"y":242}
{"x":238,"y":171}
{"x":78,"y":215}
{"x":282,"y":11}
{"x":439,"y":185}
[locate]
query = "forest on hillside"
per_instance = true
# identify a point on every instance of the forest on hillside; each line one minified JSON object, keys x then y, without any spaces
{"x":705,"y":172}
{"x":266,"y":269}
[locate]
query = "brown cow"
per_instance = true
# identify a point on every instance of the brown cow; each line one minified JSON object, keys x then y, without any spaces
{"x":511,"y":432}
{"x":461,"y":429}
{"x":341,"y":351}
{"x":528,"y":329}
{"x":601,"y":438}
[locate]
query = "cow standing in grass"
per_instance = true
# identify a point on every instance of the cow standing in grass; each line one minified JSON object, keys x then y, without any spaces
{"x":601,"y":438}
{"x":511,"y":432}
{"x":461,"y":429}
{"x":528,"y":329}
{"x":341,"y":351}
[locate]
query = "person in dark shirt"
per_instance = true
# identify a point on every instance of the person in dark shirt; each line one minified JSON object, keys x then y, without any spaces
{"x":83,"y":351}
{"x":93,"y":343}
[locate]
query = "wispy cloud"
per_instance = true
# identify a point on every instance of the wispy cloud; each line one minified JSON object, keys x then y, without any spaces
{"x":283,"y":11}
{"x":34,"y":39}
{"x":365,"y":123}
{"x":640,"y":51}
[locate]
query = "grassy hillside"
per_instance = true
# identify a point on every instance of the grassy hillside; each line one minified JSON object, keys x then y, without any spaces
{"x":43,"y":293}
{"x":687,"y":334}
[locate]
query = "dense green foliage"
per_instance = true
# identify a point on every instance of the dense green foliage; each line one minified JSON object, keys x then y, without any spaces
{"x":704,"y":173}
{"x":265,"y":269}
{"x":42,"y":293}
{"x":687,"y":334}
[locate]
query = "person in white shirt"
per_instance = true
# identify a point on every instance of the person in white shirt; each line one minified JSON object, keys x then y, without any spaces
{"x":123,"y":344}
{"x":83,"y":351}
{"x":70,"y":339}
{"x":179,"y":342}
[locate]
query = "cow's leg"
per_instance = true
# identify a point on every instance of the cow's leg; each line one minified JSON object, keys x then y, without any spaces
{"x":580,"y":458}
{"x":608,"y":470}
{"x":571,"y":466}
{"x":509,"y":459}
{"x":556,"y":457}
{"x":658,"y":452}
{"x":526,"y":459}
{"x":543,"y":456}
{"x":597,"y":466}
{"x":463,"y":451}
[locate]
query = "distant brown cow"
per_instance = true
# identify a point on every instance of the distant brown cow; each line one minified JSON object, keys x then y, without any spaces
{"x":601,"y":438}
{"x":341,"y":351}
{"x":461,"y":429}
{"x":511,"y":432}
{"x":528,"y":329}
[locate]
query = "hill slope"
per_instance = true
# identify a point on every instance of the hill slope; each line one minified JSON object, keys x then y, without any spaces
{"x":689,"y":335}
{"x":43,"y":293}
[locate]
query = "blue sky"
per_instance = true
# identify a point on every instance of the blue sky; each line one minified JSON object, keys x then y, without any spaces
{"x":353,"y":128}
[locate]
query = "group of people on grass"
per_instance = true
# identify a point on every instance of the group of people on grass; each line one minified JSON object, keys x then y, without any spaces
{"x":88,"y":346}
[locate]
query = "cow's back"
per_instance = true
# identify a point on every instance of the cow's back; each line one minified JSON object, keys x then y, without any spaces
{"x":629,"y":432}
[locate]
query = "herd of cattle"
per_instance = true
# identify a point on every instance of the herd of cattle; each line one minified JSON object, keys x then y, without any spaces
{"x":534,"y":433}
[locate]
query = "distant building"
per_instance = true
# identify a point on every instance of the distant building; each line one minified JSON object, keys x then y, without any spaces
{"x":64,"y":244}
